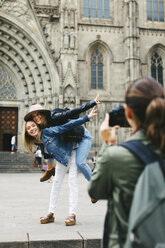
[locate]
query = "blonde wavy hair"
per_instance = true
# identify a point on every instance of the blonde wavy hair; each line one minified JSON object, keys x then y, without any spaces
{"x":29,"y":141}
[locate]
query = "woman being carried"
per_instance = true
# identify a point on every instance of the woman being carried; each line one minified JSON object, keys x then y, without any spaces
{"x":64,"y":152}
{"x":46,"y":118}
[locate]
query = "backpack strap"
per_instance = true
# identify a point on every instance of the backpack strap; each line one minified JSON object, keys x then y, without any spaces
{"x":141,"y":151}
{"x":144,"y":153}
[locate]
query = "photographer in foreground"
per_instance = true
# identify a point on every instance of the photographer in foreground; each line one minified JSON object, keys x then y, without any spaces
{"x":117,"y":169}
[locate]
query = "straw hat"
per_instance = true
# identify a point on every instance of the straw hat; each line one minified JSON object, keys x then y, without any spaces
{"x":34,"y":108}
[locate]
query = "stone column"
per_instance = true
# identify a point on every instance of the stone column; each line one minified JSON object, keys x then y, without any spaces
{"x":68,"y":51}
{"x":131,"y":41}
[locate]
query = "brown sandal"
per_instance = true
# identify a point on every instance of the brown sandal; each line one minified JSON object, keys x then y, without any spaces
{"x":47,"y":219}
{"x":70,"y":220}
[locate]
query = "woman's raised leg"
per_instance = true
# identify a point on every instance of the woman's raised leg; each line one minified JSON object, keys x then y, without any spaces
{"x":82,"y":154}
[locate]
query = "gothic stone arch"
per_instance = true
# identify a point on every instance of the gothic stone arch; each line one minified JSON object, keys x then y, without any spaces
{"x":107,"y":64}
{"x":35,"y":76}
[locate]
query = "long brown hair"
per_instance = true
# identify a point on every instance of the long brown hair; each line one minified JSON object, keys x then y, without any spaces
{"x":44,"y":123}
{"x":44,"y":117}
{"x":146,"y":99}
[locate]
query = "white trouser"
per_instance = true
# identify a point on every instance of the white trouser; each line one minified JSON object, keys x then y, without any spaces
{"x":72,"y":182}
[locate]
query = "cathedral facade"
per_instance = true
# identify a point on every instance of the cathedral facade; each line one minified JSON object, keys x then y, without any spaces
{"x":61,"y":53}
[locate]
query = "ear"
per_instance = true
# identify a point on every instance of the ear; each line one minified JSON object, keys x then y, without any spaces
{"x":130,"y":117}
{"x":128,"y":112}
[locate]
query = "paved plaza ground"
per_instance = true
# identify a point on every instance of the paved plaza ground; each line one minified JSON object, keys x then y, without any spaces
{"x":24,"y":199}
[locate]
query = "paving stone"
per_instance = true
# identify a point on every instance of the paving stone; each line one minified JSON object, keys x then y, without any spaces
{"x":24,"y":199}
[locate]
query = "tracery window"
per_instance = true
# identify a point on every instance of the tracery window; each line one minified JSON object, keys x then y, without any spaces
{"x":96,"y":9}
{"x":7,"y":88}
{"x":96,"y":70}
{"x":157,"y":68}
{"x":155,"y":10}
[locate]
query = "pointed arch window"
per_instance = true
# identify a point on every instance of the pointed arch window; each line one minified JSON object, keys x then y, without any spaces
{"x":157,"y":68}
{"x":96,"y":9}
{"x":96,"y":70}
{"x":155,"y":10}
{"x":7,"y":88}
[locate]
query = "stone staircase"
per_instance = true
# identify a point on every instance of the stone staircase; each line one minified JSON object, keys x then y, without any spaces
{"x":17,"y":163}
{"x":22,"y":162}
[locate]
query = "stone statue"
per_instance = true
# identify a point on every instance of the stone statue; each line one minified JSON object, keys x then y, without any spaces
{"x":66,"y":38}
{"x":72,"y":39}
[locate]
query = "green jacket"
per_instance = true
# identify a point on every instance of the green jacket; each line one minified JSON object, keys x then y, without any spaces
{"x":114,"y":179}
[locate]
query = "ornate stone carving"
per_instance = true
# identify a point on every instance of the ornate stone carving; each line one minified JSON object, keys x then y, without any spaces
{"x":72,"y":18}
{"x":72,"y":38}
{"x":69,"y":97}
{"x":25,"y":59}
{"x":66,"y":38}
{"x":18,"y":8}
{"x":7,"y":88}
{"x":47,"y":11}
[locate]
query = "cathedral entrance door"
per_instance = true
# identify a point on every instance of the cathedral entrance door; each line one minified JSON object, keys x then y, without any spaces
{"x":8,"y":127}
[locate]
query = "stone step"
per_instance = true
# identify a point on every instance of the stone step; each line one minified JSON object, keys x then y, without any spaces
{"x":19,"y":171}
{"x":22,"y":162}
{"x":17,"y":162}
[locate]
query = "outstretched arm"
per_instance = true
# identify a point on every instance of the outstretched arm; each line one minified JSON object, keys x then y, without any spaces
{"x":74,"y":123}
{"x":73,"y":113}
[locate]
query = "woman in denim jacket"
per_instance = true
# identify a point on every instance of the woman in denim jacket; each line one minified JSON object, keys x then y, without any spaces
{"x":46,"y":118}
{"x":64,"y":153}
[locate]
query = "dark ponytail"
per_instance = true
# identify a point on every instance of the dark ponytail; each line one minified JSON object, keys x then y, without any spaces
{"x":155,"y":123}
{"x":146,"y":99}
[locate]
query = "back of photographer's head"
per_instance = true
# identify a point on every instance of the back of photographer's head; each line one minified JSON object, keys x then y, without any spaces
{"x":145,"y":97}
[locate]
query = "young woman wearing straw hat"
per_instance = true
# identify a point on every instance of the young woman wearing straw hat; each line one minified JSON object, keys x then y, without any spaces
{"x":46,"y":118}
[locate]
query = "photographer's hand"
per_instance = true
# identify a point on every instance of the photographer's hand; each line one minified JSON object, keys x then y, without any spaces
{"x":108,"y":135}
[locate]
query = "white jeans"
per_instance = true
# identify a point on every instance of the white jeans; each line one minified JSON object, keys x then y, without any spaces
{"x":72,"y":182}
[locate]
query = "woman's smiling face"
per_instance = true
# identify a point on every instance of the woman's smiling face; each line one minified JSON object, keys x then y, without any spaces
{"x":32,"y":128}
{"x":37,"y":117}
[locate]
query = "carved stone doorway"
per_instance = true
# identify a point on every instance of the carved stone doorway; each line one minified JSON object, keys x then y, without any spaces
{"x":8,"y":127}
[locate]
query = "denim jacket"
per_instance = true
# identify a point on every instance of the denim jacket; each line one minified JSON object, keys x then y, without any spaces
{"x":55,"y":145}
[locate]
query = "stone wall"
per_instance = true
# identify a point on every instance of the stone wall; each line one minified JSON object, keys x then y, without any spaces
{"x":45,"y":48}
